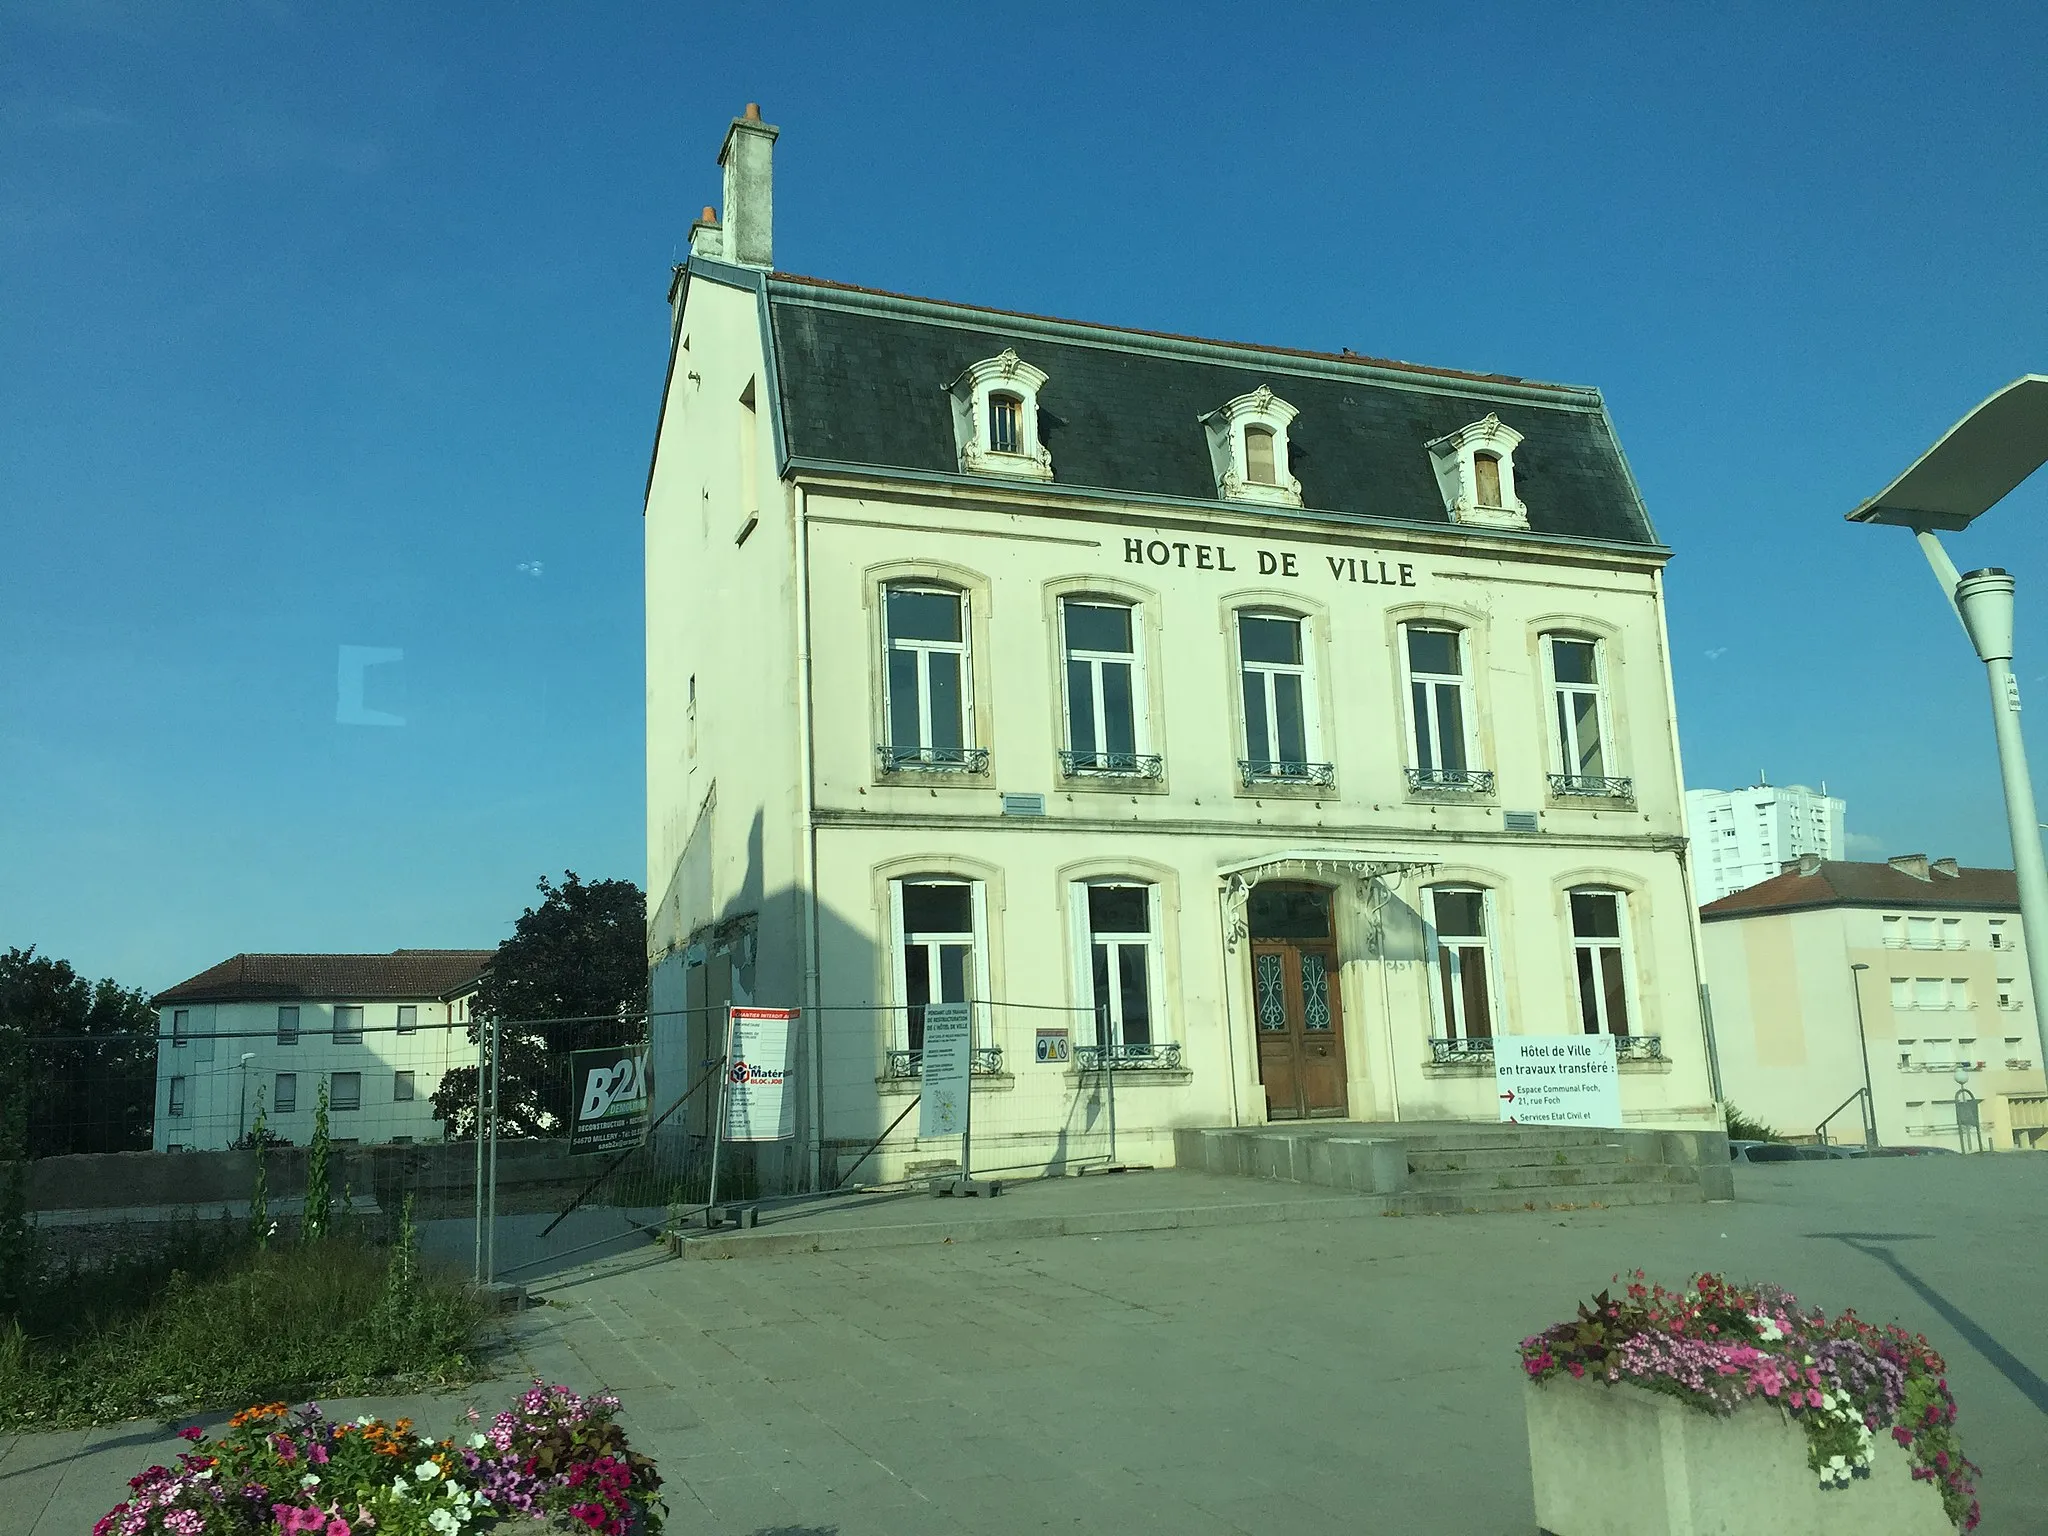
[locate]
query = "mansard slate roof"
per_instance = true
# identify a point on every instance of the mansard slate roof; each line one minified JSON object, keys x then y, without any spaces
{"x":404,"y":973}
{"x":1844,"y":883}
{"x":863,"y":382}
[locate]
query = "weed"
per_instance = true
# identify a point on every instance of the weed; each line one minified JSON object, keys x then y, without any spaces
{"x":216,"y":1321}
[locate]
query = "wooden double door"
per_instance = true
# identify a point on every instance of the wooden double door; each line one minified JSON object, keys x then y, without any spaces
{"x":1297,"y":1011}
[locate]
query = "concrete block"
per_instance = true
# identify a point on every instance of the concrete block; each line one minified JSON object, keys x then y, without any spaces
{"x":1624,"y":1461}
{"x":1717,"y":1180}
{"x":1701,"y":1147}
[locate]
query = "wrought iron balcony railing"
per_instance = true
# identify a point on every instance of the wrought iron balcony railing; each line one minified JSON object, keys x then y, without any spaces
{"x":1592,"y":786}
{"x":1454,"y":781}
{"x":1254,"y":771}
{"x":986,"y":1061}
{"x":933,"y":759}
{"x":1152,"y":1056}
{"x":1453,"y":1053}
{"x":1123,"y":765}
{"x":1450,"y":1053}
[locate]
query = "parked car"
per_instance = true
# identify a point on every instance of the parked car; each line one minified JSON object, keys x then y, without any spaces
{"x":1763,"y":1152}
{"x":1911,"y":1152}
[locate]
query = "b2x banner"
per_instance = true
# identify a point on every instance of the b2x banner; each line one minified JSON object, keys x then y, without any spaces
{"x":609,"y":1093}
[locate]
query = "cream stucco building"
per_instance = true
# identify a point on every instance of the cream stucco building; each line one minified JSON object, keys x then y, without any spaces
{"x":266,"y":1031}
{"x":1281,"y":726}
{"x":1913,"y":970}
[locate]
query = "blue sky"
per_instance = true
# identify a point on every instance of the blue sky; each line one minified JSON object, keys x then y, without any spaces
{"x":335,"y":327}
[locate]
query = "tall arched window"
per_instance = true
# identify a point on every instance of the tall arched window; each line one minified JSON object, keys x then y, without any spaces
{"x":1439,"y":709}
{"x":1102,"y":640}
{"x":927,"y":679}
{"x":939,"y":921}
{"x":1281,"y":740}
{"x":1462,"y":961}
{"x":1600,"y":960}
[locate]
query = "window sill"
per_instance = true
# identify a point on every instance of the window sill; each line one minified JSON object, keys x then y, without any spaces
{"x":981,"y":1082}
{"x":1307,"y":781}
{"x":1571,"y":789}
{"x":1472,"y":785}
{"x":1140,"y":773}
{"x":1148,"y":1077}
{"x":962,"y":767}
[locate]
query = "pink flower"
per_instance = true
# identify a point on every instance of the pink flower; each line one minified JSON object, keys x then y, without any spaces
{"x":317,"y":1455}
{"x":337,"y":1527}
{"x":191,"y":1432}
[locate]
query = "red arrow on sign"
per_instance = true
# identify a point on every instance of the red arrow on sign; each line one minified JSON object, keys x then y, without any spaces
{"x":1509,"y":1095}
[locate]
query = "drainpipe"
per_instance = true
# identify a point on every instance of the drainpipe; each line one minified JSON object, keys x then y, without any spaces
{"x":1229,"y":1025}
{"x":807,"y":756}
{"x":1375,"y":912}
{"x":1692,"y":906}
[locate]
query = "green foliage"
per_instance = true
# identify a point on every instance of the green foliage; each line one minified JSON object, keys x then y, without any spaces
{"x":1742,"y":1128}
{"x":319,"y":1176}
{"x":17,"y":1237}
{"x":87,"y":1057}
{"x":580,"y":954}
{"x":259,"y":1194}
{"x":146,"y":1336}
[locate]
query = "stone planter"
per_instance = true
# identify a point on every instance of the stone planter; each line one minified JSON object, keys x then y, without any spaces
{"x":1625,"y":1461}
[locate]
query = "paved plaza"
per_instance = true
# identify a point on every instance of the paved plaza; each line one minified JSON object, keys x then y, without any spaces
{"x":1291,"y":1373}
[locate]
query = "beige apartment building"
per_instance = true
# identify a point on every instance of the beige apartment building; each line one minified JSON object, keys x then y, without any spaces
{"x":1258,"y":730}
{"x":267,"y":1032}
{"x":1912,"y":972}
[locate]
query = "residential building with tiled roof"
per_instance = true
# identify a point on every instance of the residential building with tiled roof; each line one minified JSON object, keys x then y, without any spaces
{"x":268,"y":1031}
{"x":1275,"y":726}
{"x":1909,"y":975}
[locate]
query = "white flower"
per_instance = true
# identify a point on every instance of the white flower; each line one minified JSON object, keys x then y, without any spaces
{"x":1766,"y":1330}
{"x":310,"y":1480}
{"x":478,"y":1442}
{"x":442,"y":1521}
{"x":426,"y":1471}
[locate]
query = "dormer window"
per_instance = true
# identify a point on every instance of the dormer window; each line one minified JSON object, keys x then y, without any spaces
{"x":995,"y":418}
{"x":1248,"y":449}
{"x":1475,"y":472}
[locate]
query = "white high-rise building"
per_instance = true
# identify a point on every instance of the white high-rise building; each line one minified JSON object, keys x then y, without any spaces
{"x":1743,"y":836}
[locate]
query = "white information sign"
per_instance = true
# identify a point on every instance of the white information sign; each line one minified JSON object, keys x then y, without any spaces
{"x":758,"y":1103}
{"x":948,"y":1065}
{"x":1557,"y":1079}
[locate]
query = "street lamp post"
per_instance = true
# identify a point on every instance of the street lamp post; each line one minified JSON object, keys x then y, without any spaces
{"x":242,"y":1099}
{"x":1863,"y":1044}
{"x":1980,"y":461}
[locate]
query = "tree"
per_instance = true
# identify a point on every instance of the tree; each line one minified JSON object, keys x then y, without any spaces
{"x":86,"y":1052}
{"x":580,"y":955}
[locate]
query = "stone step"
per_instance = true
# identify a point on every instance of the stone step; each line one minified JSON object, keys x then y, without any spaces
{"x":1600,"y":1176}
{"x":1456,"y":1159}
{"x":1465,"y":1202}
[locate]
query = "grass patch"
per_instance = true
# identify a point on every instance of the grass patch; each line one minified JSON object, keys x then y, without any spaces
{"x":217,"y":1321}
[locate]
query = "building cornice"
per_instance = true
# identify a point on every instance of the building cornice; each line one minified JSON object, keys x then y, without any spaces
{"x":827,"y":474}
{"x":1378,"y":833}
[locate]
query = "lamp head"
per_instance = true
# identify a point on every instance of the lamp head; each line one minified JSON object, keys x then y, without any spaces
{"x":1977,"y":463}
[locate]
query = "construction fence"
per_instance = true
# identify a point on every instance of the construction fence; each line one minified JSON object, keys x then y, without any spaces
{"x":526,"y":1147}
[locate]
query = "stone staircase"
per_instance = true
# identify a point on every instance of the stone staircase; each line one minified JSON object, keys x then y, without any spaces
{"x":1431,"y":1168}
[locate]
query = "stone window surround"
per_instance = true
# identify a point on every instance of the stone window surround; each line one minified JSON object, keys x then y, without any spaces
{"x":1457,"y":478}
{"x":1225,"y":427}
{"x":1005,"y":373}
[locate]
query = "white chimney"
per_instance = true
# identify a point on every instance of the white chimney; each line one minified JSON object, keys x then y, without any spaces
{"x":706,"y":238}
{"x":748,"y":159}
